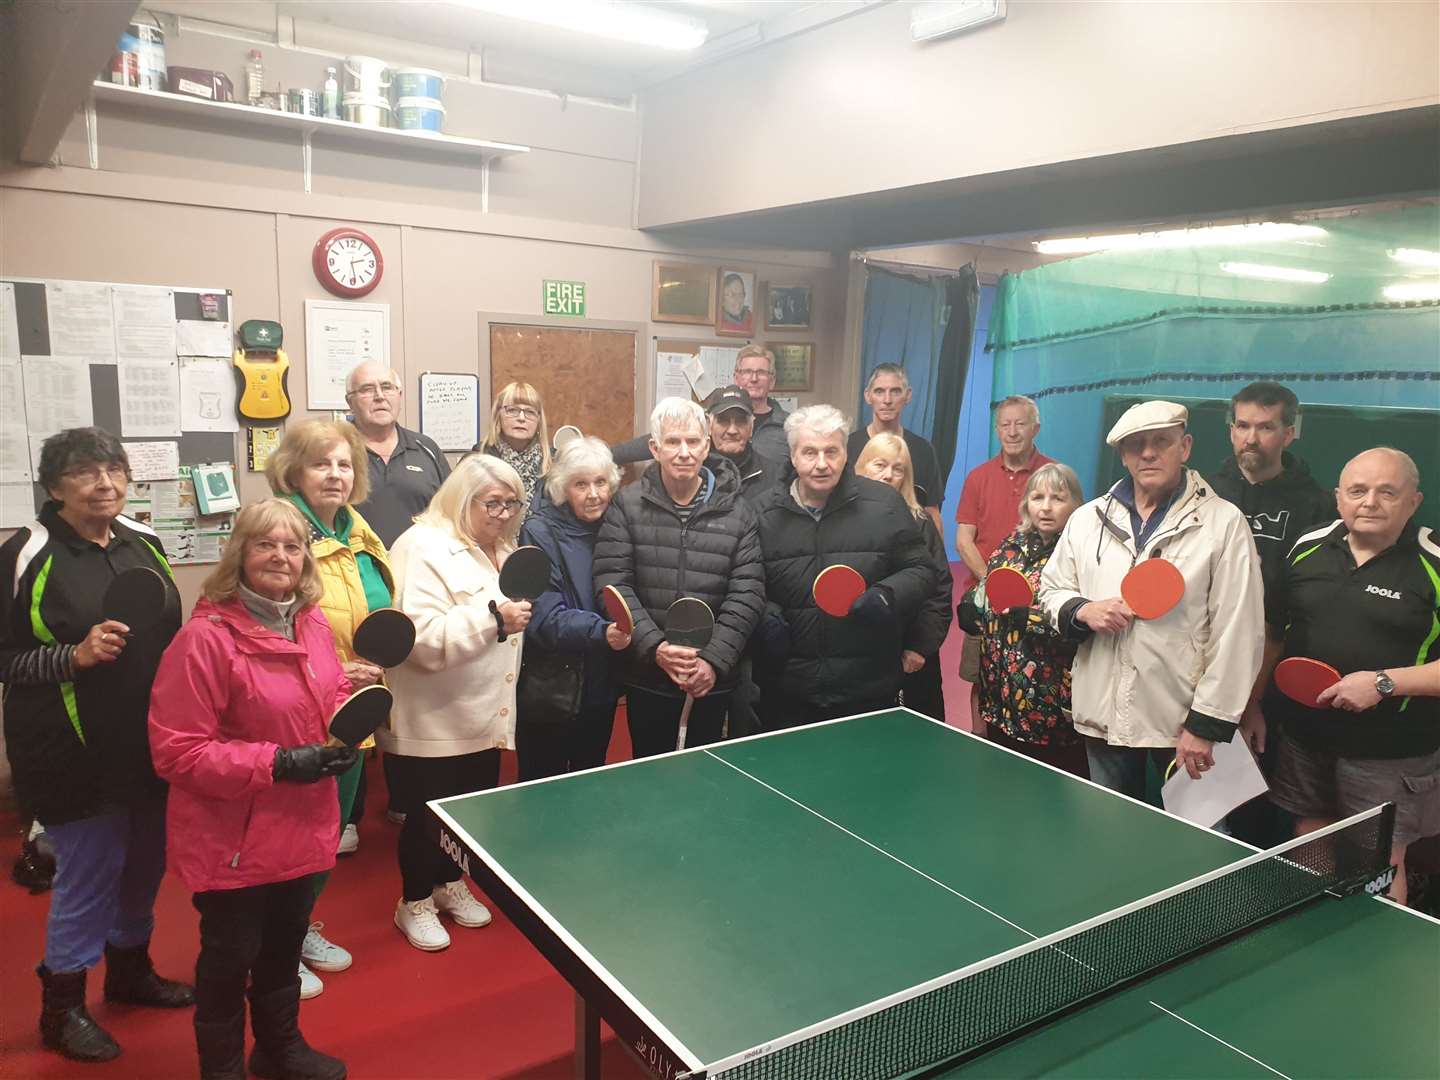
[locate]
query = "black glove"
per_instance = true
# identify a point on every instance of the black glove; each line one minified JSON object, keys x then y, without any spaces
{"x":874,"y":606}
{"x":968,"y":614}
{"x":1017,"y":618}
{"x":308,"y":764}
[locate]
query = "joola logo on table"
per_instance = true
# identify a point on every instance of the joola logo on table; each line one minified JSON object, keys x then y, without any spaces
{"x":455,"y":851}
{"x":1389,"y":594}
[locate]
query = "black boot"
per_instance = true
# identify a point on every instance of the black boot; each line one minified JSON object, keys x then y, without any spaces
{"x":66,"y":1024}
{"x":281,"y":1052}
{"x":130,"y":979}
{"x":222,"y":1048}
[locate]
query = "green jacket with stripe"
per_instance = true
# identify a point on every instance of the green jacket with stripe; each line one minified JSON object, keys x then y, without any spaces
{"x":77,"y":739}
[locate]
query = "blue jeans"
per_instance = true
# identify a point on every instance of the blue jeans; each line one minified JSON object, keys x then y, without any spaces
{"x":107,"y":874}
{"x":1122,"y":768}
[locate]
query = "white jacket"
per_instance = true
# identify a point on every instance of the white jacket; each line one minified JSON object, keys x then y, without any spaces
{"x":456,"y":693}
{"x":1193,"y":666}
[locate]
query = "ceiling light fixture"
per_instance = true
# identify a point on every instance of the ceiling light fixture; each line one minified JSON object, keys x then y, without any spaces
{"x":941,"y":18}
{"x":1275,"y":273}
{"x":1416,"y":257}
{"x":1413,"y":290}
{"x":1209,"y":236}
{"x":614,"y":19}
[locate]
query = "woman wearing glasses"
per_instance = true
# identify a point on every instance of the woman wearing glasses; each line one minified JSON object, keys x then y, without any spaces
{"x":455,"y":697}
{"x":519,"y":435}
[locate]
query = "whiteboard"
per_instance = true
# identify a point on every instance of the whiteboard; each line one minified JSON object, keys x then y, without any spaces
{"x":450,"y":409}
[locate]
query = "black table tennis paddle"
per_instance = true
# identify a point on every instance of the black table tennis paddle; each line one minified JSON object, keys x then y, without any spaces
{"x":688,"y":622}
{"x":360,"y":716}
{"x":526,"y":574}
{"x":385,"y":637}
{"x":136,"y":598}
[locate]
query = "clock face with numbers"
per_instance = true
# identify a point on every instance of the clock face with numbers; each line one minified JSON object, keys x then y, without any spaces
{"x":347,"y":262}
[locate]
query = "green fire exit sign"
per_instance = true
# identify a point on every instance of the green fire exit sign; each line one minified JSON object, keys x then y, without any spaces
{"x":565,"y":298}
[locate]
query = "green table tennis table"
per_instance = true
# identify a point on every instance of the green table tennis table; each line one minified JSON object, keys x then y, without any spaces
{"x":887,"y":896}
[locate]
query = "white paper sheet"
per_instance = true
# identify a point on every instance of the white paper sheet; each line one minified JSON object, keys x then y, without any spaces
{"x":719,"y":362}
{"x":789,"y":404}
{"x":450,"y":409}
{"x":339,"y":335}
{"x":9,"y":325}
{"x":153,"y":460}
{"x":57,"y":396}
{"x":82,"y":322}
{"x":699,"y":378}
{"x":207,"y":395}
{"x":14,"y":445}
{"x":144,"y":322}
{"x":198,"y":337}
{"x":670,"y":380}
{"x":149,"y":398}
{"x":1234,"y":780}
{"x":17,"y":505}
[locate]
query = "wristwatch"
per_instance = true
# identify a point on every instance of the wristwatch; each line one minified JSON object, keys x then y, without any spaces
{"x":1384,"y":685}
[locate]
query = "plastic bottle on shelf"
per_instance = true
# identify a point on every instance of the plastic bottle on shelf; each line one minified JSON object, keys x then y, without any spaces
{"x":254,"y":78}
{"x":330,"y":99}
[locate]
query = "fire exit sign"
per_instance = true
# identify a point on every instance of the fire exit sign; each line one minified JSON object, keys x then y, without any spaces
{"x":565,"y":298}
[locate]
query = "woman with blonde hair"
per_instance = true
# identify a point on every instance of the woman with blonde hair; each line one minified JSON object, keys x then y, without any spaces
{"x":455,"y":697}
{"x":886,"y":458}
{"x":321,"y":468}
{"x":519,"y":435}
{"x":238,"y":719}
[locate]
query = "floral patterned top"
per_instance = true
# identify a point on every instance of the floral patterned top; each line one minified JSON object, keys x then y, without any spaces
{"x":1024,"y":663}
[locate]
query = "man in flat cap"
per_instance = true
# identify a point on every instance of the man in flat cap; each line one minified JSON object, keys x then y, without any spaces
{"x":1168,"y":687}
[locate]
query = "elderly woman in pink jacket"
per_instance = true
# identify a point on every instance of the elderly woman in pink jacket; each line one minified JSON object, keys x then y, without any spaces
{"x":238,"y":717}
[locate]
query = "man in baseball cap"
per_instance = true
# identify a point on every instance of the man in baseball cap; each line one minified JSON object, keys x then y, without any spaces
{"x":732,"y":425}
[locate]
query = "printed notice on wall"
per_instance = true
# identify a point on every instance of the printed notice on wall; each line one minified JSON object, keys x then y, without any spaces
{"x":17,"y":505}
{"x":9,"y":325}
{"x":57,"y":397}
{"x":153,"y":460}
{"x":14,"y":449}
{"x":82,"y":322}
{"x":670,"y":379}
{"x":196,"y":337}
{"x":339,"y":335}
{"x":144,"y":322}
{"x":168,"y":507}
{"x":207,"y":395}
{"x":150,"y":398}
{"x":450,"y":409}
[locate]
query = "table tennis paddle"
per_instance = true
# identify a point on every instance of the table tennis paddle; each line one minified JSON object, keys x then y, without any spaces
{"x":617,"y":609}
{"x":836,"y":588}
{"x":564,"y":436}
{"x":1152,"y":588}
{"x":385,"y":637}
{"x":360,"y":716}
{"x":1302,"y":679}
{"x":136,"y":597}
{"x":688,"y":622}
{"x":1006,"y":588}
{"x":526,"y":574}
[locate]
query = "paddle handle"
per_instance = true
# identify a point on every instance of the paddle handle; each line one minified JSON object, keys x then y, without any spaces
{"x":333,"y":742}
{"x":684,"y":721}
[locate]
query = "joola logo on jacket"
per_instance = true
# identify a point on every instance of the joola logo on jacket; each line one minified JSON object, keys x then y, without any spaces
{"x":1389,"y":594}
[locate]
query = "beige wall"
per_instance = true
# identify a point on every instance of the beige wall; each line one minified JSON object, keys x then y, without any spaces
{"x":856,"y":107}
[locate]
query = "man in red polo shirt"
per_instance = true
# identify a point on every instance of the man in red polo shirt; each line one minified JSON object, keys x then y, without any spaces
{"x":990,"y":507}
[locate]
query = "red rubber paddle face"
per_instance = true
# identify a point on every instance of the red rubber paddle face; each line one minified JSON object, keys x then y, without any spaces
{"x":1007,"y":588}
{"x":836,"y":588}
{"x":617,"y":609}
{"x":1152,"y":588}
{"x":1302,"y":679}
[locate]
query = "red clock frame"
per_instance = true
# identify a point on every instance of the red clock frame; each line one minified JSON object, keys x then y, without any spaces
{"x":319,"y":263}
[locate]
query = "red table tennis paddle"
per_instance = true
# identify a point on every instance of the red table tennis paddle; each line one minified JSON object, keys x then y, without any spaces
{"x":617,"y":609}
{"x":836,"y":588}
{"x":1152,"y":588}
{"x":688,"y":622}
{"x":1006,"y":588}
{"x":136,"y":597}
{"x":360,"y":716}
{"x":526,"y":574}
{"x":1302,"y":679}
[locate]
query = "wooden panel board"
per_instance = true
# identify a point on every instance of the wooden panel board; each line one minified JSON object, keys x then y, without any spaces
{"x":586,"y":377}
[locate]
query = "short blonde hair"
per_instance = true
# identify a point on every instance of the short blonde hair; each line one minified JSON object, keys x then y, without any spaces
{"x":305,"y":441}
{"x":519,"y":393}
{"x":888,"y":444}
{"x":756,"y":350}
{"x":1054,"y":478}
{"x":449,"y":507}
{"x":252,"y":522}
{"x":581,"y":456}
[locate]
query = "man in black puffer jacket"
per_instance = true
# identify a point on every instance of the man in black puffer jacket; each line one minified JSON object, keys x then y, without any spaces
{"x":826,"y":516}
{"x":682,"y":530}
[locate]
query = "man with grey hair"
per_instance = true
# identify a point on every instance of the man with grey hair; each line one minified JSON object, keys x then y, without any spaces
{"x":887,"y":392}
{"x":682,"y":531}
{"x":813,"y":666}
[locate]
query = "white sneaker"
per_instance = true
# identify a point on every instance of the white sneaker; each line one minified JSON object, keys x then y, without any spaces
{"x":420,"y":924}
{"x":460,"y":904}
{"x":310,"y":984}
{"x":323,"y":955}
{"x":349,"y":841}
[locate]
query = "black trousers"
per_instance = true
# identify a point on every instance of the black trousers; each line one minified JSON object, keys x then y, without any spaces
{"x":655,"y":720}
{"x":777,"y":712}
{"x":250,"y":934}
{"x":415,"y":781}
{"x":922,"y":690}
{"x":357,"y":805}
{"x":574,"y":743}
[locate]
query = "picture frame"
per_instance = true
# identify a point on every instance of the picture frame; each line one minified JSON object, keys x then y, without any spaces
{"x":682,"y":292}
{"x":788,"y":306}
{"x":736,"y":303}
{"x":794,"y":365}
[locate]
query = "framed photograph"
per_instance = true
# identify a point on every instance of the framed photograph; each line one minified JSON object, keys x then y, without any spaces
{"x":737,"y":303}
{"x":787,"y":307}
{"x":794,"y":365}
{"x":683,"y":293}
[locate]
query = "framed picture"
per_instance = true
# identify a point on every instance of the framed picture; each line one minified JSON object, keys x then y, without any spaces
{"x":794,"y":365}
{"x":683,"y":293}
{"x":787,"y":307}
{"x":737,"y":303}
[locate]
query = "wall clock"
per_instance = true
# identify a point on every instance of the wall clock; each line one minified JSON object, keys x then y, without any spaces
{"x":347,"y":262}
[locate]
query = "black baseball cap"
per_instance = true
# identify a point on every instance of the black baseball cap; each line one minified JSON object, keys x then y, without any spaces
{"x":727,"y":398}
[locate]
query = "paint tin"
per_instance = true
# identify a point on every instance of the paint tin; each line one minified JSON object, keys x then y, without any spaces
{"x":419,"y":114}
{"x":371,"y":111}
{"x":411,"y":82}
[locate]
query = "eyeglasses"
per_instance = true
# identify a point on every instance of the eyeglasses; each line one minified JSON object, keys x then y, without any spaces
{"x":90,"y":475}
{"x":270,"y":547}
{"x":515,"y":412}
{"x":754,"y":373}
{"x":501,"y":507}
{"x":384,"y":389}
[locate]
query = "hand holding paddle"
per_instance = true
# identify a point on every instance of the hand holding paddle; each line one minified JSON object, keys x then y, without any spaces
{"x":523,"y":578}
{"x":1106,"y":616}
{"x":622,"y":622}
{"x":102,"y":645}
{"x":1303,"y":680}
{"x":1006,"y":588}
{"x":361,"y":715}
{"x":1355,"y":692}
{"x":133,"y":603}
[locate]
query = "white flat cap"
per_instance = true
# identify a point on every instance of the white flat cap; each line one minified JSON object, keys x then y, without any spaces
{"x":1147,"y":416}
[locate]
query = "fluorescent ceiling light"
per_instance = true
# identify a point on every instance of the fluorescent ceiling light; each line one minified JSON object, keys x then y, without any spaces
{"x":1416,"y":257}
{"x":942,"y":18}
{"x":1209,"y":236}
{"x":614,"y":19}
{"x":1413,"y":290}
{"x":1275,"y":273}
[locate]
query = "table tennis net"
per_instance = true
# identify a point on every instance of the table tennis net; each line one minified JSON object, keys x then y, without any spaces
{"x":965,"y":1012}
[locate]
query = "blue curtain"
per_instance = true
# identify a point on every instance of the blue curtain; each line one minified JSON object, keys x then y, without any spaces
{"x":904,"y":324}
{"x":974,"y":427}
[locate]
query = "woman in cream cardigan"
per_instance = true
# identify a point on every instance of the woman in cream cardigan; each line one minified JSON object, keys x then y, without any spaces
{"x":455,"y":697}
